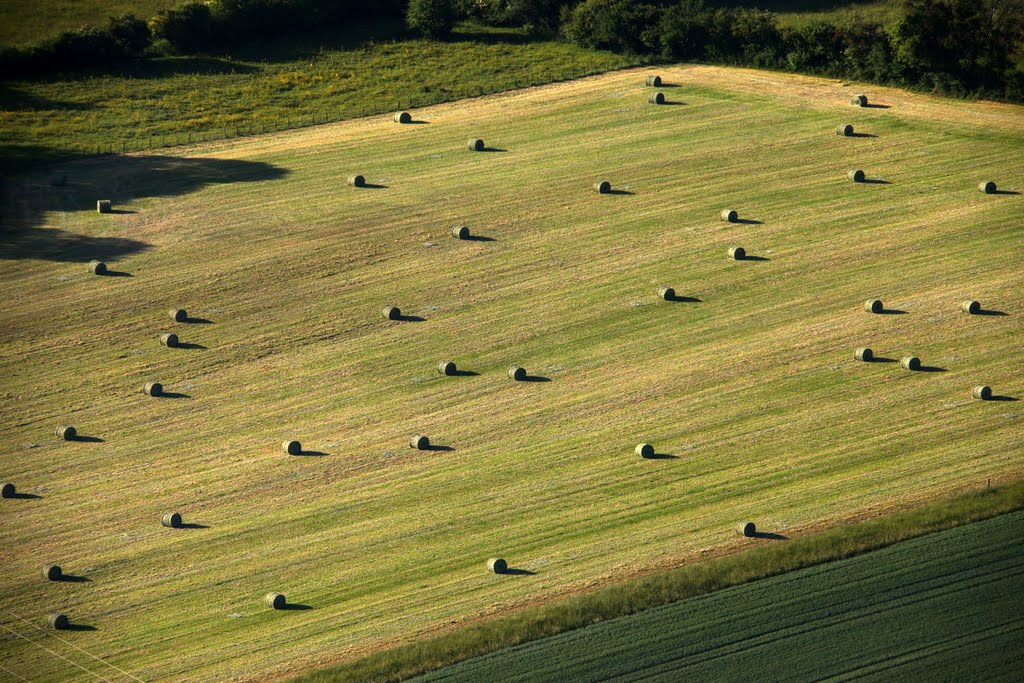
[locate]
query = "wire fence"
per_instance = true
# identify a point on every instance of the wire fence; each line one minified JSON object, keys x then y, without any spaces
{"x":262,"y":126}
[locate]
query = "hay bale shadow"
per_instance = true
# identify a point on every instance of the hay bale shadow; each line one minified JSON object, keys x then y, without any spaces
{"x":88,"y":439}
{"x":518,"y":572}
{"x":876,"y":106}
{"x":930,"y":368}
{"x":197,"y":321}
{"x":192,"y":525}
{"x":882,"y":359}
{"x":296,"y":606}
{"x":372,"y":186}
{"x":892,"y":311}
{"x":748,"y":257}
{"x":173,"y":395}
{"x":116,"y":273}
{"x":661,"y":456}
{"x":535,"y":378}
{"x":410,"y":318}
{"x":479,"y":238}
{"x":684,"y":299}
{"x":621,"y":192}
{"x":26,"y":496}
{"x":465,"y":373}
{"x":122,"y":211}
{"x":770,"y":536}
{"x":80,"y":627}
{"x":673,"y":103}
{"x":862,"y":135}
{"x":993,"y":313}
{"x":436,"y":447}
{"x":417,"y":122}
{"x":314,"y":454}
{"x":1005,"y":192}
{"x":190,"y":345}
{"x":875,"y":181}
{"x":72,"y":578}
{"x":493,"y":149}
{"x":747,"y":221}
{"x":1003,"y":398}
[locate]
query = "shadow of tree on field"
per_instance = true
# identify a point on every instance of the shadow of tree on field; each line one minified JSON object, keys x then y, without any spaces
{"x":27,"y":201}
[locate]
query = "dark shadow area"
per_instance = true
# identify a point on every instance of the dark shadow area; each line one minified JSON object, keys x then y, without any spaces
{"x":769,"y":535}
{"x":24,"y":205}
{"x":435,"y":447}
{"x":117,"y":273}
{"x":71,"y":578}
{"x":518,"y":572}
{"x":313,"y":454}
{"x":465,"y":373}
{"x":479,"y":238}
{"x":410,"y":319}
{"x":473,"y":34}
{"x":535,"y":378}
{"x":862,"y":135}
{"x":624,"y":192}
{"x":747,"y":221}
{"x":1002,"y":398}
{"x":930,"y":368}
{"x":79,"y":627}
{"x":198,"y":321}
{"x":14,"y":99}
{"x":892,"y":311}
{"x":685,"y":299}
{"x":666,"y":85}
{"x":27,"y":496}
{"x":372,"y":186}
{"x":661,"y":456}
{"x":88,"y":439}
{"x":191,"y":525}
{"x":417,"y":123}
{"x":748,"y":257}
{"x":984,"y":312}
{"x":881,"y":359}
{"x":122,"y":211}
{"x":493,"y":149}
{"x":190,"y":345}
{"x":876,"y":106}
{"x":875,"y":181}
{"x":296,"y":606}
{"x":673,"y":103}
{"x":173,"y":394}
{"x":1005,"y":192}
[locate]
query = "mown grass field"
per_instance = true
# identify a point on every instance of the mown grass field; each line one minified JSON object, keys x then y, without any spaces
{"x":948,"y":605}
{"x":753,"y":388}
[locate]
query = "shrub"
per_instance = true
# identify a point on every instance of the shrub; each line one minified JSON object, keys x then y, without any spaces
{"x":432,"y":18}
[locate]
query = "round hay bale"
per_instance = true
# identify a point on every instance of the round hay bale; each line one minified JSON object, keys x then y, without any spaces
{"x":291,"y":447}
{"x":656,"y":98}
{"x":873,"y":305}
{"x":746,"y":529}
{"x":51,"y":572}
{"x":856,"y":175}
{"x":403,"y":117}
{"x":865,"y":354}
{"x":446,"y":367}
{"x":654,"y":81}
{"x":7,"y":490}
{"x":419,"y":442}
{"x":275,"y":600}
{"x":57,"y":621}
{"x":103,"y":206}
{"x":178,"y":315}
{"x":171,"y":520}
{"x":644,"y":450}
{"x":497,"y":565}
{"x":391,"y":312}
{"x":603,"y":187}
{"x":97,"y":267}
{"x":844,"y":129}
{"x":667,"y":293}
{"x":910,"y":363}
{"x":169,"y":339}
{"x":67,"y":433}
{"x":153,"y":389}
{"x":737,"y":253}
{"x":970,"y":306}
{"x":460,"y":232}
{"x":859,"y":101}
{"x":357,"y":181}
{"x":475,"y":145}
{"x":728,"y":215}
{"x":982,"y":392}
{"x":987,"y":187}
{"x":516,"y":373}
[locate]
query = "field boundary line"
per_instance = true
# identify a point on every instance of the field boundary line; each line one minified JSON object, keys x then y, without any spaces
{"x":55,"y":654}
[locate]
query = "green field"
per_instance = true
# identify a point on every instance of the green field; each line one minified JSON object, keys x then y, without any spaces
{"x":752,"y":388}
{"x":27,"y":22}
{"x":946,"y":606}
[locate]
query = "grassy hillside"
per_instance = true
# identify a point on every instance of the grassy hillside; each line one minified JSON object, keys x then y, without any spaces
{"x":26,"y":22}
{"x":951,"y":602}
{"x":752,"y":388}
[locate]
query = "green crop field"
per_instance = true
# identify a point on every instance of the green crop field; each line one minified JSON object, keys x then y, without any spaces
{"x":949,"y":605}
{"x":26,"y":22}
{"x":749,"y":391}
